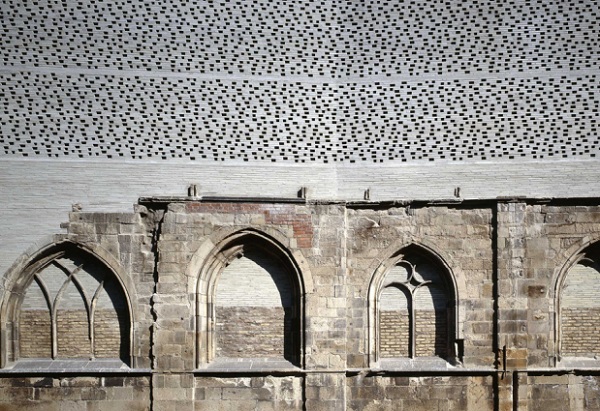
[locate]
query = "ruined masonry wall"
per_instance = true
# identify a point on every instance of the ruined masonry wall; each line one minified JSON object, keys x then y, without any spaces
{"x":506,"y":262}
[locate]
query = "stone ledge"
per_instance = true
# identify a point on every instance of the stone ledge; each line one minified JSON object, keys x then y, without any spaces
{"x":579,"y":363}
{"x":424,"y":365}
{"x":165,"y":200}
{"x":249,"y":366}
{"x":413,"y":364}
{"x":66,"y":366}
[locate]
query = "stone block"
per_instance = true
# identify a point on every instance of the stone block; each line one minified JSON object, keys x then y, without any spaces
{"x":119,"y":406}
{"x":56,"y":393}
{"x":172,"y":394}
{"x":93,"y":394}
{"x":120,"y":394}
{"x":238,"y":394}
{"x":80,"y":382}
{"x":66,"y":405}
{"x":549,"y":380}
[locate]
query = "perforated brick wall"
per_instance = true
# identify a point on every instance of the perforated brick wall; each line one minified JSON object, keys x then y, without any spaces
{"x":156,"y":118}
{"x":322,"y":38}
{"x":107,"y":102}
{"x":320,"y":95}
{"x":325,"y":82}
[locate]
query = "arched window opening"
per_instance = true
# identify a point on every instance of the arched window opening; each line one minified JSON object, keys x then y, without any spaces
{"x":415,"y":309}
{"x":252,"y":301}
{"x":255,"y":308}
{"x":580,"y":307}
{"x":73,"y":307}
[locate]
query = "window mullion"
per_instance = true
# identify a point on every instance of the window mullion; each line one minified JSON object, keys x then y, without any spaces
{"x":54,"y":314}
{"x":50,"y":304}
{"x":92,"y":313}
{"x":412,"y":326}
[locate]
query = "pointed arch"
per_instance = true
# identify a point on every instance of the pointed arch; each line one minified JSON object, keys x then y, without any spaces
{"x":577,"y":303}
{"x":226,"y":269}
{"x":413,"y":306}
{"x":59,"y":287}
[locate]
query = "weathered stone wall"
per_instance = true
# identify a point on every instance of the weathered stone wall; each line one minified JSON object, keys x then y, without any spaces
{"x":508,"y":336}
{"x":391,"y":101}
{"x":123,"y":244}
{"x":400,"y":392}
{"x":537,"y":245}
{"x":126,"y":241}
{"x":57,"y":393}
{"x":562,"y":392}
{"x":248,"y":393}
{"x":461,"y":236}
